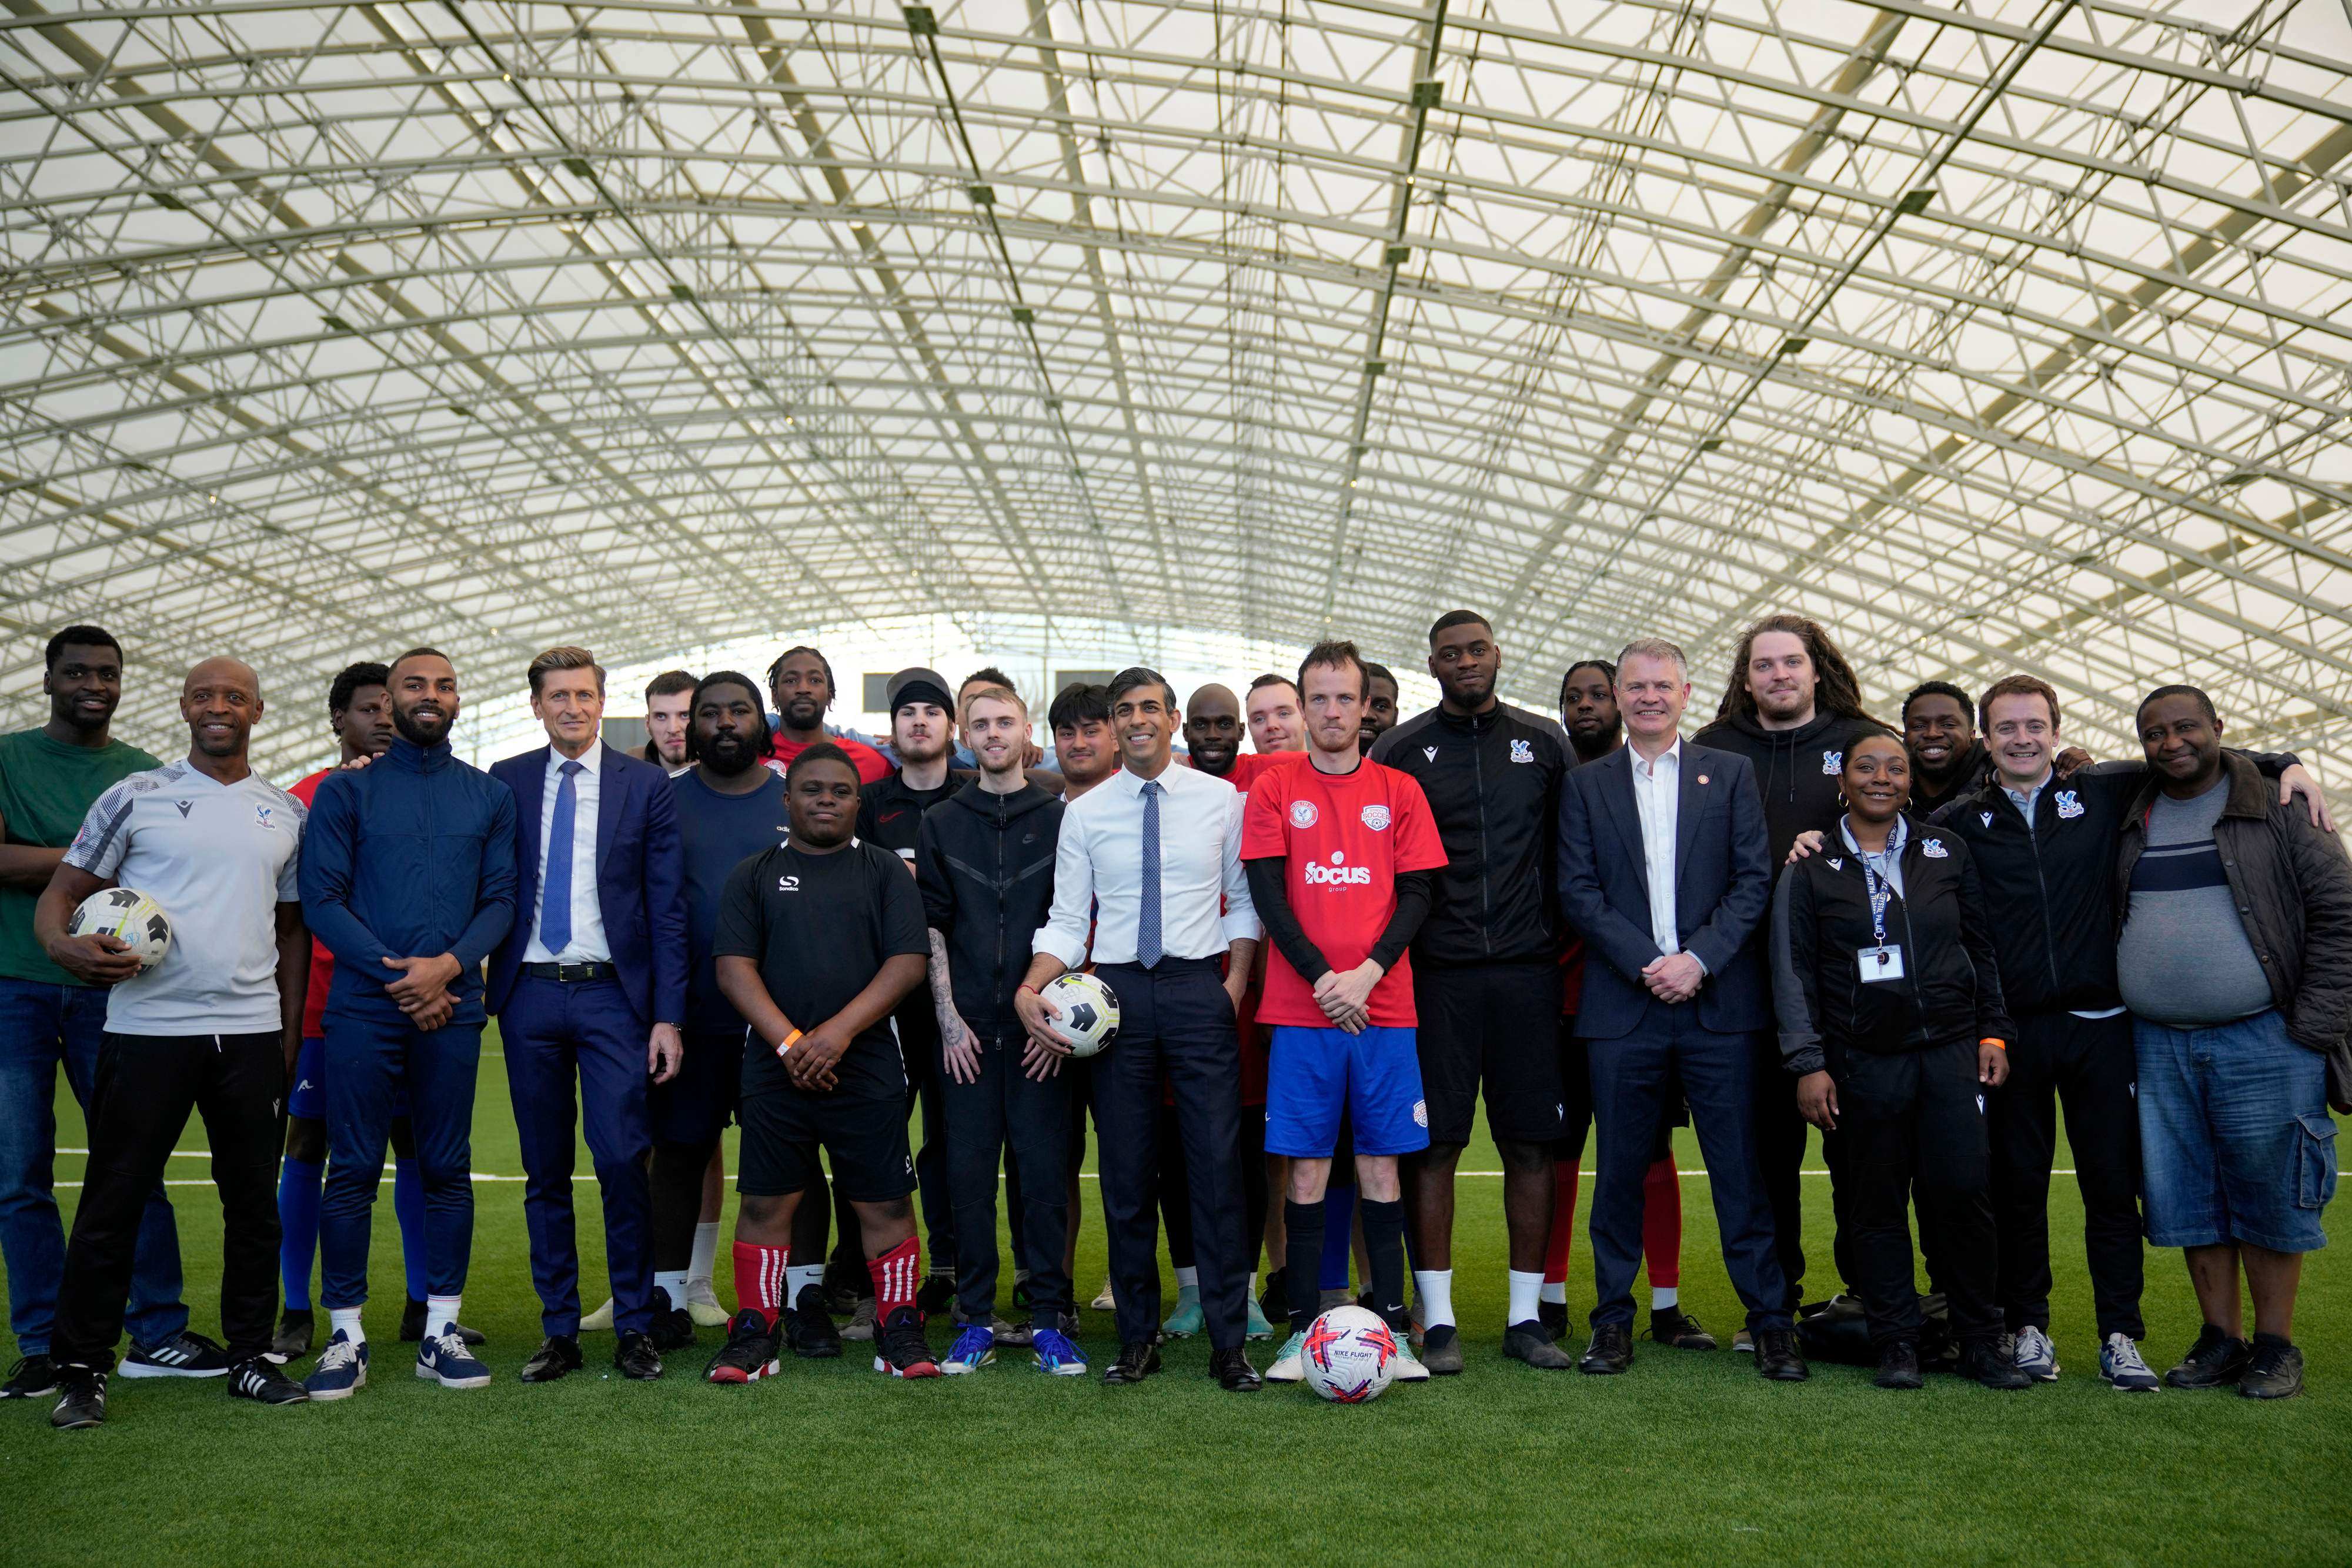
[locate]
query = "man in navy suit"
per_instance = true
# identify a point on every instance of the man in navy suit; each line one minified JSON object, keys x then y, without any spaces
{"x":1664,"y":869}
{"x":592,"y":977}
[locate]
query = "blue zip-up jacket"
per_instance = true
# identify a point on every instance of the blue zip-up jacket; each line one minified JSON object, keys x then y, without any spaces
{"x":410,"y":857}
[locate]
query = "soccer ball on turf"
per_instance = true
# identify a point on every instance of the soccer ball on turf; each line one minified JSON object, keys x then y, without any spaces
{"x":1089,"y":1012}
{"x":133,"y":917}
{"x":1350,"y":1356}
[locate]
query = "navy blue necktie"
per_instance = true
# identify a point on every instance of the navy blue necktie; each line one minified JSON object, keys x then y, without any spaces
{"x":1147,"y":911}
{"x":555,"y":887}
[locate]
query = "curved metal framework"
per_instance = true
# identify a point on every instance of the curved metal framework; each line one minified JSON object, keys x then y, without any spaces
{"x":2013,"y":337}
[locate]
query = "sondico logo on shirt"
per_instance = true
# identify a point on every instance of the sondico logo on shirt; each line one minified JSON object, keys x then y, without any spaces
{"x":1339,"y":874}
{"x":788,"y":884}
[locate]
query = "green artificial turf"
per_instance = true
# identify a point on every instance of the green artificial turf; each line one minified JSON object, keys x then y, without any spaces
{"x":1688,"y":1457}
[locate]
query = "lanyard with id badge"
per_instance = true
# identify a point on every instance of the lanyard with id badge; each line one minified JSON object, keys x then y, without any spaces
{"x":1884,"y":959}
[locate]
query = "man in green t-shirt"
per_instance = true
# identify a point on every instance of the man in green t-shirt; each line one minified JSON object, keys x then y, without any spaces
{"x":48,"y":778}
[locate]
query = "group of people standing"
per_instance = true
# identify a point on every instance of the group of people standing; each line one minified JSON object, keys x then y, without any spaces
{"x":1325,"y":952}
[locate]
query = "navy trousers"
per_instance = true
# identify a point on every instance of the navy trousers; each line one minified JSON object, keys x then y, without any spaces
{"x":371,"y":1051}
{"x":1176,"y":1023}
{"x":549,"y":1031}
{"x":1634,"y":1081}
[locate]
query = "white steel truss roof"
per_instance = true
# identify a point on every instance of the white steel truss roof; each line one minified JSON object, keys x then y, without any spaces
{"x":2016,"y":336}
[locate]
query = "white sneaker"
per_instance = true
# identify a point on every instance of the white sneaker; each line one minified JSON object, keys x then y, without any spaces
{"x":1409,"y":1368}
{"x":1290,"y":1362}
{"x":601,"y":1320}
{"x":702,"y":1305}
{"x":1104,"y":1302}
{"x":2035,"y":1356}
{"x":2121,"y":1366}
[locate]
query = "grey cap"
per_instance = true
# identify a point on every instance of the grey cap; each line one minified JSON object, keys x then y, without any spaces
{"x":920,"y":685}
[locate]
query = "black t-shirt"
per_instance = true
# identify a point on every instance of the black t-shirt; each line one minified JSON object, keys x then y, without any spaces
{"x":717,"y":833}
{"x":821,"y":927}
{"x":890,"y":813}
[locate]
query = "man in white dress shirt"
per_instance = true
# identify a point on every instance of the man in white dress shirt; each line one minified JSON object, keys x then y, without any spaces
{"x":1151,"y":860}
{"x":1664,"y":871}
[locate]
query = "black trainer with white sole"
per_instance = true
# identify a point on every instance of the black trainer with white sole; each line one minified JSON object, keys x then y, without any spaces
{"x":33,"y":1377}
{"x":259,"y":1380}
{"x":81,"y":1401}
{"x":182,"y":1355}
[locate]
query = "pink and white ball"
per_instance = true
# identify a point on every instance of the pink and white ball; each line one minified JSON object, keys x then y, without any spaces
{"x":1350,"y":1356}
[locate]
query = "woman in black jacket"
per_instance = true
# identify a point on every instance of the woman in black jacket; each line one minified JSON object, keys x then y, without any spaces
{"x":1892,"y":1021}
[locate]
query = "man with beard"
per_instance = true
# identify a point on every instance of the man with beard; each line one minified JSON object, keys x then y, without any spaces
{"x":1939,"y":731}
{"x":1588,"y":712}
{"x":802,"y":684}
{"x":1002,"y":1093}
{"x":49,"y":778}
{"x":1381,"y":707}
{"x":1792,"y":708}
{"x":408,"y":876}
{"x":358,"y":715}
{"x":211,"y":1027}
{"x":1079,"y":722}
{"x":667,"y":717}
{"x":890,"y":813}
{"x":1486,"y":974}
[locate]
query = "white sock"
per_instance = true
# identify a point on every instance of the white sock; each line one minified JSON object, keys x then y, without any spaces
{"x":676,"y":1285}
{"x":1556,"y":1294}
{"x":1188,"y":1278}
{"x":441,"y":1313}
{"x":1526,"y":1286}
{"x":797,"y":1277}
{"x":346,"y":1321}
{"x":1435,"y":1288}
{"x":1662,"y":1297}
{"x":706,"y":1252}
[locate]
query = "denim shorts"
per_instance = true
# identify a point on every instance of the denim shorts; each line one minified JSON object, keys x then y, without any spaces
{"x":2235,"y":1137}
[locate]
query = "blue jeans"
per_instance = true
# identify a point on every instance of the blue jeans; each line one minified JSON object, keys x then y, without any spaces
{"x":2236,"y":1144}
{"x":42,"y":1026}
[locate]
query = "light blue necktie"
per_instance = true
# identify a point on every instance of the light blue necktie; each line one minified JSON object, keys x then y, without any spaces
{"x":555,"y":887}
{"x":1147,"y":911}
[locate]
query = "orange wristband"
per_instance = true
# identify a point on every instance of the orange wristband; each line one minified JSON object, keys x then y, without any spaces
{"x":1996,"y":1044}
{"x":788,"y":1042}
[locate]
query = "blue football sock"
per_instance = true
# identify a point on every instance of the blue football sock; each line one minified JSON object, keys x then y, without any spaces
{"x":408,"y":1206}
{"x":1338,"y":1230}
{"x":298,"y":1182}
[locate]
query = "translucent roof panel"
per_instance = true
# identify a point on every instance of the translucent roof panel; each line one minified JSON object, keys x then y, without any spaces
{"x":2016,"y":337}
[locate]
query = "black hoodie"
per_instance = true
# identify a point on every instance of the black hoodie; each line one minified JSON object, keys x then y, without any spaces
{"x":985,"y":863}
{"x":1796,"y":769}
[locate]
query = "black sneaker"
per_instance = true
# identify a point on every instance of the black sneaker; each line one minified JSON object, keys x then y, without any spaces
{"x":1985,"y":1361}
{"x":1898,"y":1366}
{"x":808,"y":1327}
{"x":748,"y":1355}
{"x":935,"y":1295}
{"x":673,"y":1325}
{"x":1553,"y":1315}
{"x":82,"y":1402}
{"x":2274,"y":1370}
{"x":296,"y":1331}
{"x":411,"y":1326}
{"x":1675,"y":1327}
{"x":182,"y":1355}
{"x":33,"y":1377}
{"x":899,"y":1348}
{"x":2215,"y":1361}
{"x":257,"y":1378}
{"x":1275,"y":1300}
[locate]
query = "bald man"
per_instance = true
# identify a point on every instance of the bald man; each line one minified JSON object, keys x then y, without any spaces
{"x":211,"y":1027}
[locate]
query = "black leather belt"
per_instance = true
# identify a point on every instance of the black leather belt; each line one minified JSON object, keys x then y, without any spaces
{"x":572,"y":974}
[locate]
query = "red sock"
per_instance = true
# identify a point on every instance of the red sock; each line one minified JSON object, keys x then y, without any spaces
{"x":1662,"y":1225}
{"x":896,"y":1274}
{"x":1563,"y":1222}
{"x":760,"y":1280}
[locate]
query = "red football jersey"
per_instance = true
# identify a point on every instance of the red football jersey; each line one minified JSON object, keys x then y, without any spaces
{"x":322,"y":963}
{"x":871,"y":765}
{"x":1250,"y":766}
{"x":1343,"y":837}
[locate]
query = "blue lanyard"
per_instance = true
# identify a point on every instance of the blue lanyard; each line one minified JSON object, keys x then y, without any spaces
{"x":1880,"y":892}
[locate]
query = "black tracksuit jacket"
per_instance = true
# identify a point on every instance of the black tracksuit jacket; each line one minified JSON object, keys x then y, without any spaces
{"x":985,"y":863}
{"x":1796,"y":769}
{"x":1492,"y":781}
